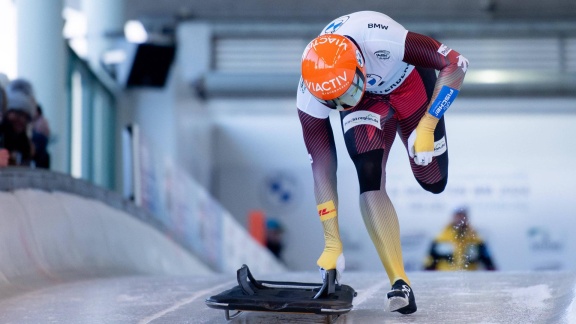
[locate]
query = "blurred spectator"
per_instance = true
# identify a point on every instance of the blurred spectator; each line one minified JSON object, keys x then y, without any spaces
{"x":40,"y":138}
{"x":274,"y":232}
{"x":3,"y":101}
{"x":16,"y":118}
{"x":4,"y":154}
{"x":459,"y":247}
{"x":3,"y":83}
{"x":23,"y":86}
{"x":40,"y":127}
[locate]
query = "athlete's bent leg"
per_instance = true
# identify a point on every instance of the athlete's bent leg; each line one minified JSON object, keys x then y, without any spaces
{"x":440,"y":164}
{"x":436,"y":187}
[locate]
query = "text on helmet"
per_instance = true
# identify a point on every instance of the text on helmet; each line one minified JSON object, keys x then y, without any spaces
{"x":329,"y":85}
{"x":329,"y":40}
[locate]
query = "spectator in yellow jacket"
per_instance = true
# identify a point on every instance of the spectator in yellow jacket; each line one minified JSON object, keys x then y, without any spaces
{"x":459,"y":247}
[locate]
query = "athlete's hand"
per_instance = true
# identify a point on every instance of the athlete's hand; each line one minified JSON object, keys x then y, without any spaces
{"x":421,"y":141}
{"x":339,"y":265}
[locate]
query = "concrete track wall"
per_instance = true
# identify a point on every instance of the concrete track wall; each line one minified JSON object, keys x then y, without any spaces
{"x":49,"y":237}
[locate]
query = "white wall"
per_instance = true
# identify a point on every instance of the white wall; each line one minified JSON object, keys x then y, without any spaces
{"x":512,"y":169}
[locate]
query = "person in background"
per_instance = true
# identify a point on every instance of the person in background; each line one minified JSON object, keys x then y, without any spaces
{"x":4,"y":154}
{"x":3,"y":101}
{"x":40,"y":128}
{"x":459,"y":247}
{"x":274,"y":241}
{"x":16,"y":118}
{"x":40,"y":139}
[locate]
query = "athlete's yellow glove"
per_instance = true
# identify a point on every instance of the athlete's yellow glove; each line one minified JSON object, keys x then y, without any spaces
{"x":421,"y":141}
{"x":332,"y":260}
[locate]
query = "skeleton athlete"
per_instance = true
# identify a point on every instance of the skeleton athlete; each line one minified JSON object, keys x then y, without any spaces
{"x":382,"y":80}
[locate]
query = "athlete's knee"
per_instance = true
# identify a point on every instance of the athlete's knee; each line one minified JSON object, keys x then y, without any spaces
{"x":436,"y":187}
{"x":369,"y":169}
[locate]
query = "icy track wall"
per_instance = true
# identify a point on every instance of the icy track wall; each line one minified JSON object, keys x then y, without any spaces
{"x":68,"y":212}
{"x":55,"y":228}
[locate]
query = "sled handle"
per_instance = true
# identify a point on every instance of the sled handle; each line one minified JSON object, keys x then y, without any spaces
{"x":246,"y":281}
{"x":329,"y":285}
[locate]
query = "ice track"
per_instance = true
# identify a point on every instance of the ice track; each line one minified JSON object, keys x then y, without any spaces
{"x":495,"y":297}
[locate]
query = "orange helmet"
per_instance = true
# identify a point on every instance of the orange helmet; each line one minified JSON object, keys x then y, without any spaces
{"x":334,"y":72}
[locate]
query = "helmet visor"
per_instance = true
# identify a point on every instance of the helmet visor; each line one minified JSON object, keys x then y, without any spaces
{"x":350,"y":97}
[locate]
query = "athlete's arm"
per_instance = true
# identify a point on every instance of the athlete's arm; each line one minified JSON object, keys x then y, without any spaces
{"x":424,"y":51}
{"x":319,"y":141}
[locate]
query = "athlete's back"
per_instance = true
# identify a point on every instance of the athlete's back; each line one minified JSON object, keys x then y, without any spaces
{"x":381,"y":40}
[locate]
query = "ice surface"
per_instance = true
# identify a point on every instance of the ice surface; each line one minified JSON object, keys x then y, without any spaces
{"x":457,"y":297}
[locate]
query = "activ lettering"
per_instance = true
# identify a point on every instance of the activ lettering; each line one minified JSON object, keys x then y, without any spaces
{"x":330,"y":40}
{"x":324,"y":39}
{"x":328,"y":86}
